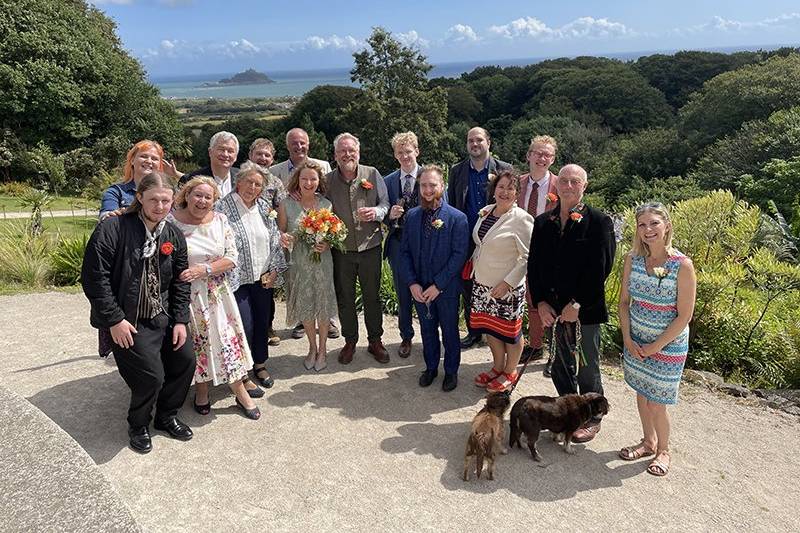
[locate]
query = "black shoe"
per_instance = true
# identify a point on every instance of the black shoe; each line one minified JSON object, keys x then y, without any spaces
{"x":175,"y":428}
{"x":427,"y":378}
{"x":252,"y":414}
{"x":266,"y":382}
{"x":140,"y":439}
{"x":469,"y":341}
{"x":333,"y":331}
{"x":548,"y":368}
{"x":450,"y":382}
{"x":298,"y":331}
{"x":202,"y":409}
{"x":531,"y":354}
{"x":255,"y":392}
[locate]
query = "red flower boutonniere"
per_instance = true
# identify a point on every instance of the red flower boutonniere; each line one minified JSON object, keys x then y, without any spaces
{"x":551,"y":197}
{"x":366,"y":185}
{"x":438,"y":223}
{"x":167,"y":248}
{"x":575,"y":216}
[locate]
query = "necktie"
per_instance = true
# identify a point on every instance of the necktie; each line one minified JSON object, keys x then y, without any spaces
{"x":533,"y":199}
{"x":408,"y":186}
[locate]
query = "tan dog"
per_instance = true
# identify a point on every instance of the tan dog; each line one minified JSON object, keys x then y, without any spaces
{"x":486,"y":438}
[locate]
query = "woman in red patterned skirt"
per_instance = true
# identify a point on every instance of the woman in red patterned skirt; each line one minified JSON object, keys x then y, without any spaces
{"x":502,"y":236}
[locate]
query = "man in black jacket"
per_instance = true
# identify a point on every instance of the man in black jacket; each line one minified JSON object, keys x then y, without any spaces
{"x":466,"y":191}
{"x":571,"y":255}
{"x":131,"y":275}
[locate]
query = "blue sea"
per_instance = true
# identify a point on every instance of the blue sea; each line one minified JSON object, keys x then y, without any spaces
{"x":299,"y":82}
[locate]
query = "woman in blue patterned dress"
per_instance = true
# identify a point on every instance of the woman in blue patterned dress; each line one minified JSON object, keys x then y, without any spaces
{"x":656,"y":304}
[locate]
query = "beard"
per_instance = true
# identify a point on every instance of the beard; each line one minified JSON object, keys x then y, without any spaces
{"x":349,"y":167}
{"x":431,"y":204}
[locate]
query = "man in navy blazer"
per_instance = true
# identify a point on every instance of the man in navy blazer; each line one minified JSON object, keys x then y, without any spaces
{"x":433,"y":252}
{"x":403,"y":192}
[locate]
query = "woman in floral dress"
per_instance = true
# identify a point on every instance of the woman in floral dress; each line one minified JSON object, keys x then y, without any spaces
{"x":310,"y":296}
{"x":219,"y":340}
{"x":656,"y":304}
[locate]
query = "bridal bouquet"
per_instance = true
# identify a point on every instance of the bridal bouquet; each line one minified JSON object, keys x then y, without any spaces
{"x":321,"y":226}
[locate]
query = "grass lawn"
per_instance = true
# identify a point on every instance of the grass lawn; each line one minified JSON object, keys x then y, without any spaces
{"x":64,"y":226}
{"x":11,"y":204}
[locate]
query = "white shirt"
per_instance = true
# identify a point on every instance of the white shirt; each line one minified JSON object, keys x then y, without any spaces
{"x":224,"y":185}
{"x":544,"y":187}
{"x":404,"y":177}
{"x":257,"y":236}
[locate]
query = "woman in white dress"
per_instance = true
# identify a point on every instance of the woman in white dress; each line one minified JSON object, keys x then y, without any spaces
{"x":220,"y":345}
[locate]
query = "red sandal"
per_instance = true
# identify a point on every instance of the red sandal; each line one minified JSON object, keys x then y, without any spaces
{"x":503,"y":382}
{"x":484,"y":378}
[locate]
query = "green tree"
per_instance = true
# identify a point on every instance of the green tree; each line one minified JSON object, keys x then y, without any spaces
{"x":620,"y":98}
{"x":66,"y":80}
{"x":680,"y":74}
{"x":325,"y":105}
{"x":777,"y":183}
{"x":396,"y":98}
{"x":729,"y":100}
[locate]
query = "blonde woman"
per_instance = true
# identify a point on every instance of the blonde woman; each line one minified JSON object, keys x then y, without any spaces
{"x":220,"y":344}
{"x":656,"y":303}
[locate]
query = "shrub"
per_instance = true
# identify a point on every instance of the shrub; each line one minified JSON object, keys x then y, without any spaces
{"x":24,"y":258}
{"x":14,"y":188}
{"x":67,"y":259}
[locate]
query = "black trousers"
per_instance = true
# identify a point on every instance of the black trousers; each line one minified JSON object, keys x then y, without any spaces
{"x":366,"y":266}
{"x":155,"y":372}
{"x":256,"y":307}
{"x":563,"y":372}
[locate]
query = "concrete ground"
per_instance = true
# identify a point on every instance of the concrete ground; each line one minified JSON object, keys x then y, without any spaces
{"x":363,"y":448}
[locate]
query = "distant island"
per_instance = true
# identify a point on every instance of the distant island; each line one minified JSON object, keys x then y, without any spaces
{"x":248,"y":77}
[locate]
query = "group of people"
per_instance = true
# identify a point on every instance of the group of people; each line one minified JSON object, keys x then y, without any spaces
{"x":182,"y":280}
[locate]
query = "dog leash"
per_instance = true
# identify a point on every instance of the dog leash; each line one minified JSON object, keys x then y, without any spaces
{"x":553,"y":350}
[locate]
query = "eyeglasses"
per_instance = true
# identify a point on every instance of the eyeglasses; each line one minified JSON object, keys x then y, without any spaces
{"x":650,"y":205}
{"x":545,"y":155}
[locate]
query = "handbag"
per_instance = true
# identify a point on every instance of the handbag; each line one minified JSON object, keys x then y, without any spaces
{"x":466,"y":272}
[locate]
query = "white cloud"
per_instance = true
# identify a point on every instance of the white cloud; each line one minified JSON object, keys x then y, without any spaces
{"x":461,"y":33}
{"x":580,"y":28}
{"x":239,"y":48}
{"x":412,"y":38}
{"x":348,"y":42}
{"x":722,"y":24}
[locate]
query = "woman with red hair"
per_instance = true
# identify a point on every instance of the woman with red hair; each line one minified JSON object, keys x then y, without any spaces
{"x":145,"y":157}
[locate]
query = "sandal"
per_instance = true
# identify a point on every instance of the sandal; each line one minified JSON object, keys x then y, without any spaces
{"x":254,"y":392}
{"x":484,"y":378}
{"x":637,"y":451}
{"x":265,"y":382}
{"x":202,"y":409}
{"x":503,"y":382}
{"x":659,"y":468}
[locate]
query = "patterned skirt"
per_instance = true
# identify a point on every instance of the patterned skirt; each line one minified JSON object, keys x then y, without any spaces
{"x":501,"y":319}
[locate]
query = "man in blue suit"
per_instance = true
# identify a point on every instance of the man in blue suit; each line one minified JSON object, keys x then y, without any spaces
{"x":403,"y":196}
{"x":433,"y":252}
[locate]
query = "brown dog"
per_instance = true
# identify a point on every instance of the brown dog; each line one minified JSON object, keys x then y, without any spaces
{"x":486,"y":437}
{"x":562,"y":416}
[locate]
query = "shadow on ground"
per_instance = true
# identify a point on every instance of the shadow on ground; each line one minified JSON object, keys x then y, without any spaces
{"x":560,"y":476}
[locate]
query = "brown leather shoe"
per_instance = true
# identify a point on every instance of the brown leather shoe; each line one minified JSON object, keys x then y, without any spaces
{"x":586,"y":433}
{"x":405,"y":349}
{"x":378,"y":351}
{"x":346,"y":354}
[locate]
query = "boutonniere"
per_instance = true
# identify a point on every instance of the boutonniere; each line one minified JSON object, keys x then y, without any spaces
{"x":575,"y":213}
{"x":366,"y":184}
{"x":167,"y":248}
{"x":551,"y":197}
{"x":273,"y":214}
{"x":660,"y":273}
{"x":437,"y":224}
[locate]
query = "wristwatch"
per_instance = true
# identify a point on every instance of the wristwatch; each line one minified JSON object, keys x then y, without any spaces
{"x":575,"y":305}
{"x":208,"y":270}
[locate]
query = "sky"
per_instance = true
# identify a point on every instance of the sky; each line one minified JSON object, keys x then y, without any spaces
{"x":183,"y":37}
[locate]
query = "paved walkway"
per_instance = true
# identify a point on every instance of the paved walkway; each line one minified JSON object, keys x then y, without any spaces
{"x":363,"y":448}
{"x":52,"y":214}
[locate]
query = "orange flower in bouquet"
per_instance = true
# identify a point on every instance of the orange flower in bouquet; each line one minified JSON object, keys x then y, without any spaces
{"x":321,"y":226}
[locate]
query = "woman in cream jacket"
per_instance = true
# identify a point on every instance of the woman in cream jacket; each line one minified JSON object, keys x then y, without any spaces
{"x":502,"y":236}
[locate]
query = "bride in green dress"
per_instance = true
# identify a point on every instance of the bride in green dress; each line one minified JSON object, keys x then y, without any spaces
{"x":310,"y":296}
